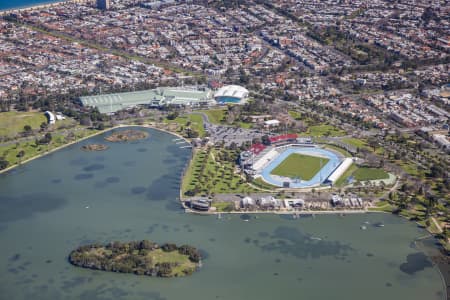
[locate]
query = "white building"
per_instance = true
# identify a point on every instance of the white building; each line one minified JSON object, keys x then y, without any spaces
{"x":271,"y":123}
{"x":340,"y":170}
{"x":231,"y":94}
{"x":51,"y":117}
{"x":247,"y":202}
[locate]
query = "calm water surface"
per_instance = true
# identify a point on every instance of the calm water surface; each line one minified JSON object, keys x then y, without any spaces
{"x":10,"y":4}
{"x":69,"y":198}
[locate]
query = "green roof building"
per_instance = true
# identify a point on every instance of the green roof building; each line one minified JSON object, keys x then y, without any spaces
{"x":179,"y":96}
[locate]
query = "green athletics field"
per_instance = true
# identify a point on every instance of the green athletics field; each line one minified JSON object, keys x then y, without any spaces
{"x":363,"y":174}
{"x":300,"y":165}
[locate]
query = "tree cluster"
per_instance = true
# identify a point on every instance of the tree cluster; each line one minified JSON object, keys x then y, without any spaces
{"x":131,"y":257}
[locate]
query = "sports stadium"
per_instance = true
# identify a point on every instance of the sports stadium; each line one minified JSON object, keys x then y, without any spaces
{"x":159,"y":97}
{"x":293,"y":162}
{"x":192,"y":96}
{"x":231,"y":94}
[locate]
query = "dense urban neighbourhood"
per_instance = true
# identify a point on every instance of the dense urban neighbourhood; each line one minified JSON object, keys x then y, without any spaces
{"x":369,"y":78}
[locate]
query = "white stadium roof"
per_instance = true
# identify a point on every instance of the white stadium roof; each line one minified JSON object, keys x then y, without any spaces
{"x":234,"y":91}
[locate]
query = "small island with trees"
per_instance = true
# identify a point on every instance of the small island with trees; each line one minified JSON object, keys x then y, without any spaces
{"x":138,"y":257}
{"x":127,"y":136}
{"x":94,"y":147}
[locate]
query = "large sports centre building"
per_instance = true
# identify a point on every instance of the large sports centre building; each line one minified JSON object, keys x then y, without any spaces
{"x":231,"y":94}
{"x":162,"y":96}
{"x":266,"y":162}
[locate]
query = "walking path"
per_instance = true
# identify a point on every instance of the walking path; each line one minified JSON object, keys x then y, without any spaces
{"x":437,"y":224}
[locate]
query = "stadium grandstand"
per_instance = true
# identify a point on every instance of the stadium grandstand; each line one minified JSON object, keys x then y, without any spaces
{"x":340,"y":170}
{"x":260,"y":160}
{"x":162,"y":96}
{"x":231,"y":94}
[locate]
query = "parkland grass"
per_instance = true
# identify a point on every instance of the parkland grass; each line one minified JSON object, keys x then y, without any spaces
{"x":215,"y":116}
{"x":211,"y":171}
{"x":13,"y":122}
{"x":323,"y":130}
{"x":364,"y":174}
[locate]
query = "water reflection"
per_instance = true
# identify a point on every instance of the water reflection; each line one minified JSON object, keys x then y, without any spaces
{"x":289,"y":240}
{"x":23,"y":207}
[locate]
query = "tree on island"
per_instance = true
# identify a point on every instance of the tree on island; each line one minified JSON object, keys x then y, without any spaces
{"x":138,"y":258}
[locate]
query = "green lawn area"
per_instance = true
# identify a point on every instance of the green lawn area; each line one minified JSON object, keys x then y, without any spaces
{"x":300,"y":165}
{"x":409,"y":168}
{"x":382,"y":206}
{"x":12,"y":122}
{"x":323,"y":130}
{"x":338,"y":149}
{"x":30,"y":148}
{"x":223,"y":206}
{"x":296,"y":115}
{"x":211,"y":172}
{"x":196,"y":123}
{"x":244,"y":125}
{"x":215,"y":116}
{"x":159,"y":256}
{"x":364,"y":174}
{"x":343,"y":179}
{"x":355,"y":142}
{"x":259,"y":182}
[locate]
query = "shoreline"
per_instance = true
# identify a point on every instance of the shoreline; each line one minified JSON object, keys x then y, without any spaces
{"x":42,"y":5}
{"x":53,"y":150}
{"x":82,"y":139}
{"x":301,"y":212}
{"x":189,"y":210}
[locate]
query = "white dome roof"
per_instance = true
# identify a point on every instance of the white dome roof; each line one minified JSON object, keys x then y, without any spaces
{"x":235,"y":91}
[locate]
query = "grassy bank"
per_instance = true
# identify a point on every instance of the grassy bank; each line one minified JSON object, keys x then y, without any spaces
{"x":195,"y":122}
{"x":211,"y":171}
{"x":323,"y":130}
{"x":21,"y":151}
{"x":13,"y":122}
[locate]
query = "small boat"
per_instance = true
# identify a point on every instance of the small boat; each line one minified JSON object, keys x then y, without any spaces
{"x":87,"y":206}
{"x":219,"y":216}
{"x":363,"y":227}
{"x":379,"y":225}
{"x":315,"y":238}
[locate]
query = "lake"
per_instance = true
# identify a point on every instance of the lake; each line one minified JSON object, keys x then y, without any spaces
{"x":71,"y":197}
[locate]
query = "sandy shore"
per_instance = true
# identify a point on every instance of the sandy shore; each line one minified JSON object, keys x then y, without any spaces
{"x":39,"y":6}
